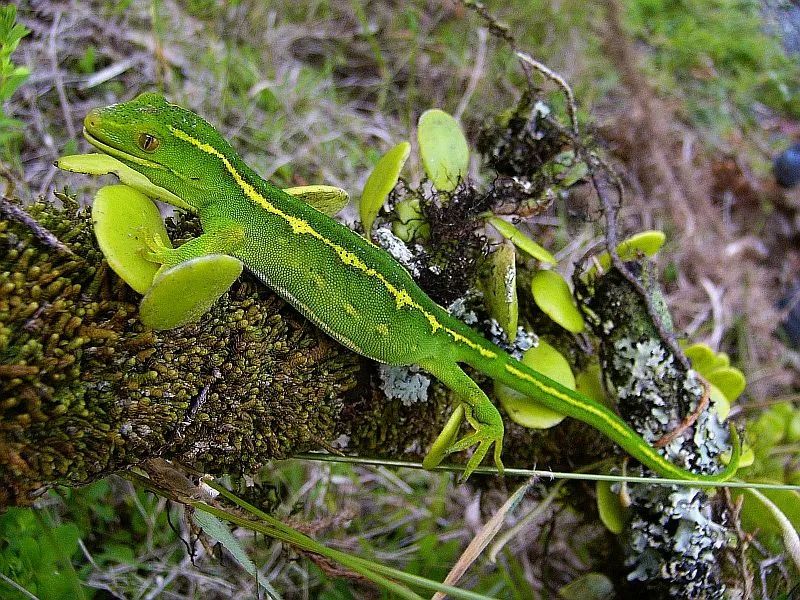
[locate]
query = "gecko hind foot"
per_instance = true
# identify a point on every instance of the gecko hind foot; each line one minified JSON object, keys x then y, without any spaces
{"x":488,"y":431}
{"x":485,"y":435}
{"x":156,"y":251}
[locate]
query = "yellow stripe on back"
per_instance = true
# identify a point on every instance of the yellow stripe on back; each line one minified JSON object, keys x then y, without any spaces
{"x":300,"y":227}
{"x":551,"y":391}
{"x":606,"y":417}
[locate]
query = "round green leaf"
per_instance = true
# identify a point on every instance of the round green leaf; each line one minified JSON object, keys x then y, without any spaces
{"x":644,"y":242}
{"x":500,"y":289}
{"x":591,"y":586}
{"x":443,"y":149}
{"x":552,"y":294}
{"x":720,"y":402}
{"x":521,"y":409}
{"x":612,"y":513}
{"x":770,"y":428}
{"x":124,"y":219}
{"x":521,"y":241}
{"x":793,"y":428}
{"x":410,"y":222}
{"x":756,"y":516}
{"x":729,"y":380}
{"x":748,"y":457}
{"x":380,"y":182}
{"x":702,"y":358}
{"x":721,"y":360}
{"x":589,"y":382}
{"x":326,"y":199}
{"x":103,"y":164}
{"x":187,"y":291}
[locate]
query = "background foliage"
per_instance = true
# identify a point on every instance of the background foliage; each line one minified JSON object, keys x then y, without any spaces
{"x":316,"y":92}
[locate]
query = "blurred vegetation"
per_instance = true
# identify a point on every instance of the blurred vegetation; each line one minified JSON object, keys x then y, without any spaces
{"x":717,"y":57}
{"x":11,"y":77}
{"x":316,"y":106}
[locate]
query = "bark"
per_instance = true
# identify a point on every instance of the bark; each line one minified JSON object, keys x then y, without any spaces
{"x":674,"y":532}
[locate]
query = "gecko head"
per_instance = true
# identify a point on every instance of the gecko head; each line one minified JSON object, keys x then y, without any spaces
{"x":171,"y":146}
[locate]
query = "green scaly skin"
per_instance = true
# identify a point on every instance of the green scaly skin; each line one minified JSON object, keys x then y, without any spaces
{"x":353,"y":290}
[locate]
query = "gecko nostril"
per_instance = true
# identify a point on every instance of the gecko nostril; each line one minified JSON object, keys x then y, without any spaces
{"x":92,"y":119}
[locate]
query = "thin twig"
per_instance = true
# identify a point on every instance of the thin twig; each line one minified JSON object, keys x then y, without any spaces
{"x":689,"y":420}
{"x":555,"y":77}
{"x":501,"y":31}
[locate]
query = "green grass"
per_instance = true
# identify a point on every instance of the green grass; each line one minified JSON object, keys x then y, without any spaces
{"x":717,"y":56}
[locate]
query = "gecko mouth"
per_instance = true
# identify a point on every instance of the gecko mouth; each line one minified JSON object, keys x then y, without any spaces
{"x":94,"y":141}
{"x":107,"y":148}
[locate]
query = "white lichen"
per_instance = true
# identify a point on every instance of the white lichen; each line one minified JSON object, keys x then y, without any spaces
{"x":523,"y":341}
{"x":341,"y":442}
{"x":397,"y":248}
{"x":459,"y":309}
{"x":406,"y":384}
{"x":510,"y":284}
{"x":672,"y":535}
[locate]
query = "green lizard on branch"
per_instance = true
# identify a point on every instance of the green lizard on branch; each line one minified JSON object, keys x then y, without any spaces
{"x":357,"y":293}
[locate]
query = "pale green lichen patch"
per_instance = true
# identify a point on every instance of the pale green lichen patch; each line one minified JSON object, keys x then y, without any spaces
{"x":407,"y":384}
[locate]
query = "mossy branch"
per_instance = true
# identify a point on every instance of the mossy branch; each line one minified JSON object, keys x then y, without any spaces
{"x":87,"y":391}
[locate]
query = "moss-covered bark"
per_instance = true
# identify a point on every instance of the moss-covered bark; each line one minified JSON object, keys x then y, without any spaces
{"x":86,"y":391}
{"x":674,"y":536}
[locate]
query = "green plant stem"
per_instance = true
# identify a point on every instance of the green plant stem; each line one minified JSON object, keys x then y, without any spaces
{"x":303,"y":542}
{"x":334,"y":554}
{"x":515,"y":472}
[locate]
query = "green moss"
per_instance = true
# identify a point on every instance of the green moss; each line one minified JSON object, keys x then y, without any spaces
{"x":87,"y":390}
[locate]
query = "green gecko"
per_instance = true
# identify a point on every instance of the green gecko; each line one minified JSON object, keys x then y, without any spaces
{"x":356,"y":292}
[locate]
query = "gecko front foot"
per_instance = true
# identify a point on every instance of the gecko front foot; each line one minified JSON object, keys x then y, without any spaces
{"x":488,"y":425}
{"x":156,"y":251}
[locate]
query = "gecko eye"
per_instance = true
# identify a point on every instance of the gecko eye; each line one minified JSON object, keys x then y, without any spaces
{"x":147,"y":142}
